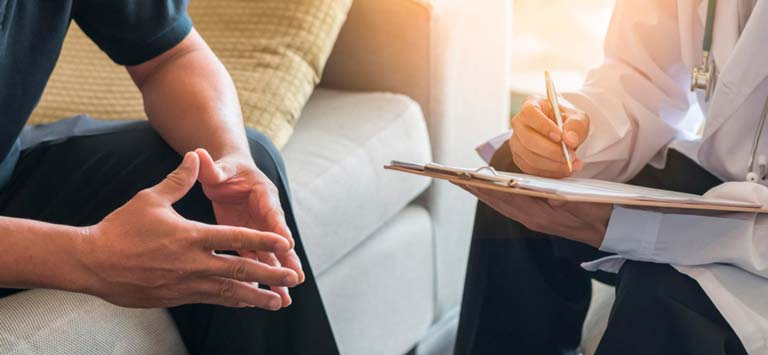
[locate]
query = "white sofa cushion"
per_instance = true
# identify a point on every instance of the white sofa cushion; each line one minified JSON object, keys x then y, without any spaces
{"x":380,"y":297}
{"x":450,"y":56}
{"x":341,"y":193}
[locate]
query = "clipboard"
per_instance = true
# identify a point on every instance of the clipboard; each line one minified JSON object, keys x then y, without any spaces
{"x":573,"y":189}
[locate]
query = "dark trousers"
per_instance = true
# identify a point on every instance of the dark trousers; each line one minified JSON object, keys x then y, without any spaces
{"x":525,"y":292}
{"x":79,"y":179}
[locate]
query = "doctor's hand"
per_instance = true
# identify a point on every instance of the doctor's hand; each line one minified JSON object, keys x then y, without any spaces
{"x":243,"y":196}
{"x":535,"y":143}
{"x":144,"y":254}
{"x":578,"y":221}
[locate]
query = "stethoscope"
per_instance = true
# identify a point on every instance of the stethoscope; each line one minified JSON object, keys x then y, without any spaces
{"x":704,"y":77}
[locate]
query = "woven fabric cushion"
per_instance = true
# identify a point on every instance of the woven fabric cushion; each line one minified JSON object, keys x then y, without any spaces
{"x":275,"y":51}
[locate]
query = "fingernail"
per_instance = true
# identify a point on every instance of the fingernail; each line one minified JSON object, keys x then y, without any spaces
{"x":572,"y":137}
{"x":275,"y":304}
{"x":554,"y":136}
{"x":289,"y":280}
{"x":282,"y":246}
{"x":302,"y":278}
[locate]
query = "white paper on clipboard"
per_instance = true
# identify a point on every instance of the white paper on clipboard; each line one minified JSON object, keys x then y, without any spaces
{"x":588,"y":188}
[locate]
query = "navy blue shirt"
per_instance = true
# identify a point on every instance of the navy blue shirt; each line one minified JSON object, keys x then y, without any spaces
{"x":32,"y":32}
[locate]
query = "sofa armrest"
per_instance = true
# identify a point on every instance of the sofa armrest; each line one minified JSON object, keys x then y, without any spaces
{"x":451,"y":57}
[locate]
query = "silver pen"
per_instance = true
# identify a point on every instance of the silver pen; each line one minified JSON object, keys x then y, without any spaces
{"x":552,"y":96}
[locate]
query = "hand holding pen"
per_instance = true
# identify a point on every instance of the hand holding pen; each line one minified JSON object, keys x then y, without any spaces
{"x":539,"y":145}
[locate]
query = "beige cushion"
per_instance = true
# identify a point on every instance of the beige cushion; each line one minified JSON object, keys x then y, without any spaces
{"x":45,"y":322}
{"x":275,"y":51}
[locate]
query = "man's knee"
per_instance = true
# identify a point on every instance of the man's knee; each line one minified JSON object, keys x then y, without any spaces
{"x":143,"y":155}
{"x":153,"y":154}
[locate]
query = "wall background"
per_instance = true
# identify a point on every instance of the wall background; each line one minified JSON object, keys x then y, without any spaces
{"x":562,"y":36}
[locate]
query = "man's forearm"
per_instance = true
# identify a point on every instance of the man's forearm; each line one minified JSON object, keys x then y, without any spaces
{"x":191,"y":100}
{"x":40,"y":255}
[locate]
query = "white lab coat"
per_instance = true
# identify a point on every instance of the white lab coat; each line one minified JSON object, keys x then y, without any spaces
{"x":636,"y":101}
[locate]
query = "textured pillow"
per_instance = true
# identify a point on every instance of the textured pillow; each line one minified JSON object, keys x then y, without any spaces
{"x":275,"y":51}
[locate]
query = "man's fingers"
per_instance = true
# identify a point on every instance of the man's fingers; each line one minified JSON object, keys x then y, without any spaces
{"x":265,"y":202}
{"x":213,"y":172}
{"x":280,"y":226}
{"x":271,"y":260}
{"x":291,"y":260}
{"x":180,"y":181}
{"x":233,"y":293}
{"x":249,"y":270}
{"x":575,"y":129}
{"x":215,"y":237}
{"x":288,"y":260}
{"x":532,"y":116}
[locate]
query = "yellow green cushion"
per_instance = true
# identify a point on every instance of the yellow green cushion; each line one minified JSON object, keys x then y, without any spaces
{"x":275,"y":51}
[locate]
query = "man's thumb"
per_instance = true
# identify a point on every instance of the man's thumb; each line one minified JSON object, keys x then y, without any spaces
{"x":210,"y":172}
{"x":181,"y":180}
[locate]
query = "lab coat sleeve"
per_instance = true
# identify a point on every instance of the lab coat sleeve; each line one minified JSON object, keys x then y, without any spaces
{"x":638,"y":95}
{"x":691,"y":239}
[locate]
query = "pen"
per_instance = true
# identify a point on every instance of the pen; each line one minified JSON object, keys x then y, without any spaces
{"x":552,"y":96}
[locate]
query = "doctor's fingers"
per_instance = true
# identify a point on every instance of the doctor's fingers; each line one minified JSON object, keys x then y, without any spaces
{"x":531,"y":119}
{"x":540,"y":103}
{"x":531,"y":212}
{"x":529,"y":168}
{"x":575,"y":128}
{"x":535,"y":160}
{"x":512,"y":206}
{"x":535,"y":142}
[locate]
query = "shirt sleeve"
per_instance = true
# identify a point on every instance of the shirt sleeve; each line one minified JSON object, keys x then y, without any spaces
{"x":131,"y":32}
{"x":636,"y":97}
{"x":683,"y":239}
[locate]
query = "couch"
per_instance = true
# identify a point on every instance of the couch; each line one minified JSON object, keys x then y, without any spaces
{"x":412,"y":80}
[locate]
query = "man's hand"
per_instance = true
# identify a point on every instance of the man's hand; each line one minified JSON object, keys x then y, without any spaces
{"x":535,"y":143}
{"x":243,"y":196}
{"x":144,"y":254}
{"x":577,"y":221}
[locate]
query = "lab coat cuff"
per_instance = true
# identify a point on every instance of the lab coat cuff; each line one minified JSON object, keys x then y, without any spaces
{"x":632,"y":233}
